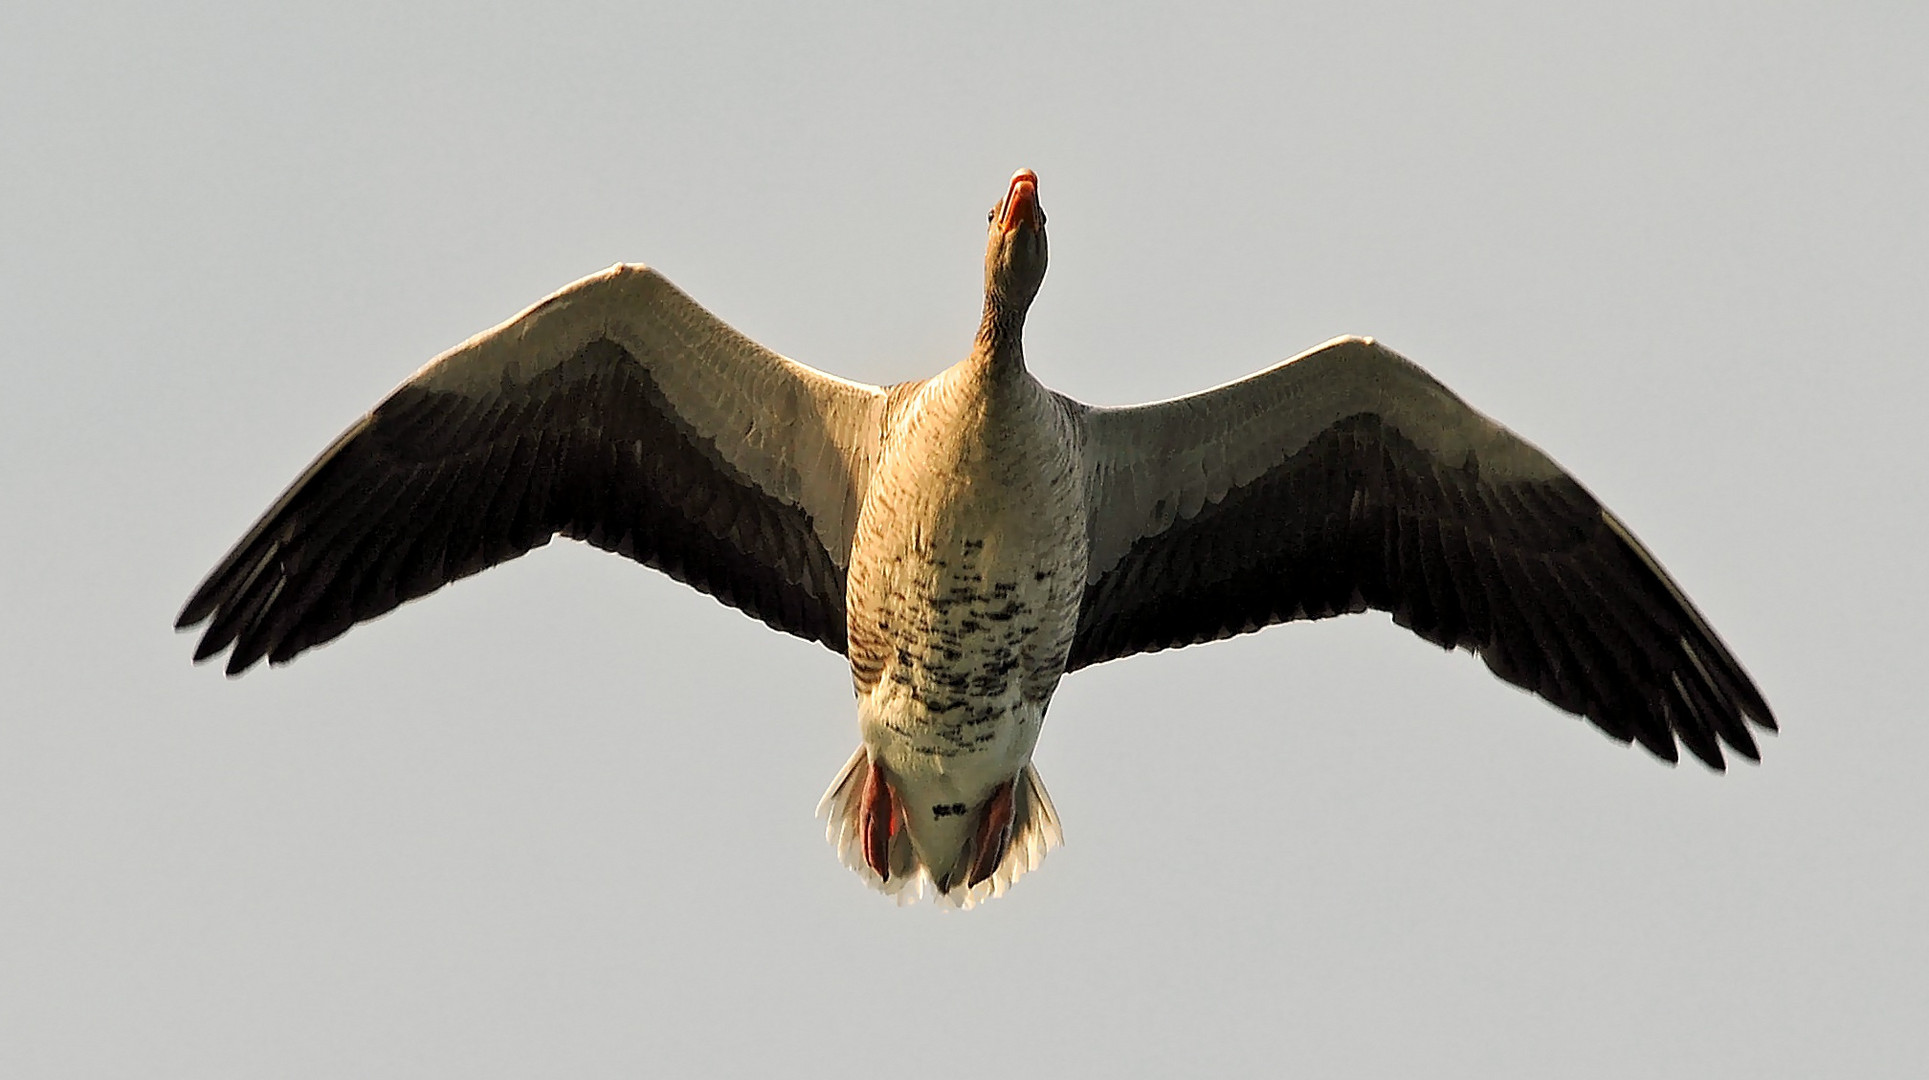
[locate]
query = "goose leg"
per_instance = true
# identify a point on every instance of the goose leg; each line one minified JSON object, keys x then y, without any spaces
{"x":878,"y":814}
{"x":994,"y":834}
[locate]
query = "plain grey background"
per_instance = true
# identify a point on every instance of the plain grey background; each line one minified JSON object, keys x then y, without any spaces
{"x":556,"y":820}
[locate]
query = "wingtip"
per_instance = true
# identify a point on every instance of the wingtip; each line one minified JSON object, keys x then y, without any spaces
{"x":1716,"y":763}
{"x":194,"y":612}
{"x":241,"y":659}
{"x":207,"y":648}
{"x":207,"y":651}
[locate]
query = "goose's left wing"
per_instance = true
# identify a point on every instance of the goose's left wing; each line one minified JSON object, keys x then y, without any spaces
{"x":617,"y":411}
{"x":1348,"y":478}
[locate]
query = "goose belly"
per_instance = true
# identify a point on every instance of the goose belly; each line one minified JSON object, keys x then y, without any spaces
{"x":960,"y":621}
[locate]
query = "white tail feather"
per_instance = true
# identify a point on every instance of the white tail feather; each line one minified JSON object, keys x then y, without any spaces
{"x":1034,"y":831}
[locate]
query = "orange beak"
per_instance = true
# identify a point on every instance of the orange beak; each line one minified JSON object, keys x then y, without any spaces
{"x":1021,"y":201}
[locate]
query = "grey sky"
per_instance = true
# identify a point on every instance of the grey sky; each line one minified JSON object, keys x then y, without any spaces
{"x":556,"y":820}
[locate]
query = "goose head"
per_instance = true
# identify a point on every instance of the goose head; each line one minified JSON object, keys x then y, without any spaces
{"x":1015,"y":256}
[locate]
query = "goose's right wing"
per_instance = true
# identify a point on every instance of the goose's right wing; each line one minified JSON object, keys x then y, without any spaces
{"x":617,"y":411}
{"x":1348,"y":478}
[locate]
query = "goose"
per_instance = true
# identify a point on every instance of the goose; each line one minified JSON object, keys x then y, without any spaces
{"x":968,"y":539}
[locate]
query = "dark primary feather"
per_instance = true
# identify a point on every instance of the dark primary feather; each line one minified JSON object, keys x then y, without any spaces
{"x":433,"y":486}
{"x":1534,"y":576}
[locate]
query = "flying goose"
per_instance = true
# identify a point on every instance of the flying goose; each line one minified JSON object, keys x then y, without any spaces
{"x":968,"y":539}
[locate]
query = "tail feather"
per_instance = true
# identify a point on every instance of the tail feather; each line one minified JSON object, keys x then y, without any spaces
{"x":1035,"y":831}
{"x":841,"y":807}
